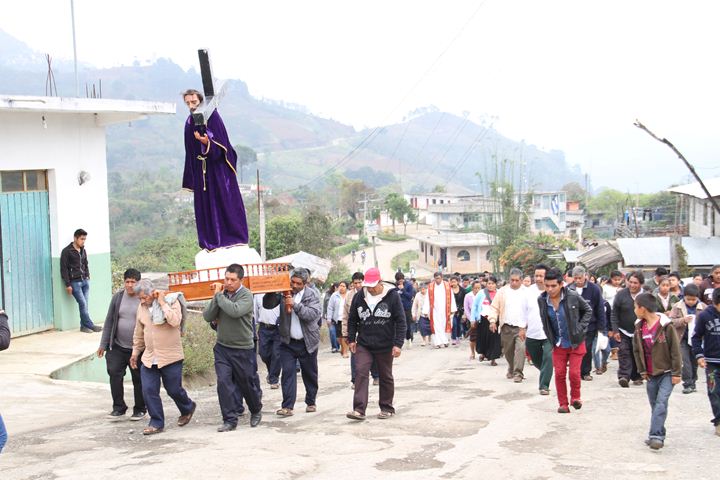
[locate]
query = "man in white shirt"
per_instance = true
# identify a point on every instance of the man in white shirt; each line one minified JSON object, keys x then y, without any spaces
{"x":267,"y":320}
{"x":439,"y":306}
{"x":509,"y":308}
{"x":538,"y":346}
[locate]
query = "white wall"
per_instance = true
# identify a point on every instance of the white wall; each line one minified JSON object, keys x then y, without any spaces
{"x":69,"y":144}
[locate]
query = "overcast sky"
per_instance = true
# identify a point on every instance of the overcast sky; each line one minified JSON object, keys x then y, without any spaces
{"x":567,"y":75}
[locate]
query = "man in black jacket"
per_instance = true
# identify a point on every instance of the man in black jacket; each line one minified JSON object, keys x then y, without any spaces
{"x":565,"y":317}
{"x":593,"y":296}
{"x":116,"y":345}
{"x":4,"y":344}
{"x":376,"y":331}
{"x":75,"y":273}
{"x":622,"y":320}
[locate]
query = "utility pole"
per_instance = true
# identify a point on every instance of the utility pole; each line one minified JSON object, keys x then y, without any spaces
{"x":77,"y":81}
{"x":261,"y":215}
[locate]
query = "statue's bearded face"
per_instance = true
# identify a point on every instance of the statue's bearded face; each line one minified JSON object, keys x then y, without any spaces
{"x":192,"y":101}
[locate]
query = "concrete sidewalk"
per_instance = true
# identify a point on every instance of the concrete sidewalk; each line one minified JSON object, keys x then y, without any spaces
{"x":46,"y":352}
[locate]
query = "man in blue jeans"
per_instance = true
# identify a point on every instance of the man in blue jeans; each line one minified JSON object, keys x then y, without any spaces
{"x":4,"y":344}
{"x":76,"y":275}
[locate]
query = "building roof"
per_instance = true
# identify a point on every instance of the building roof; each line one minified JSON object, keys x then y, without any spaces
{"x":108,"y":111}
{"x":695,"y":190}
{"x":319,"y":267}
{"x":571,"y":256}
{"x":651,"y":251}
{"x":457,"y":239}
{"x":645,"y":251}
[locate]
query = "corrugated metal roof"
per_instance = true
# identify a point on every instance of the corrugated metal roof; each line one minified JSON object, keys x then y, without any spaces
{"x":645,"y":251}
{"x":695,"y":190}
{"x":571,"y":256}
{"x":604,"y":254}
{"x":702,"y":251}
{"x":319,"y":267}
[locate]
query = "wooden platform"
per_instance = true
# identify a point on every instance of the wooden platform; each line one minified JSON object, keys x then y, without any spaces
{"x":259,"y":278}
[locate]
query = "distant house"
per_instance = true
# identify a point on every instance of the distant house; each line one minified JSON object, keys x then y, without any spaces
{"x":53,"y":180}
{"x":703,"y":220}
{"x":455,"y":252}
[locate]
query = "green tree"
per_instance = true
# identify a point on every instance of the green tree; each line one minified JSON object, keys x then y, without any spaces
{"x":398,"y":208}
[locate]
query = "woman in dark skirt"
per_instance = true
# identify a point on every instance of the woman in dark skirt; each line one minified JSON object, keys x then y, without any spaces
{"x":488,"y":343}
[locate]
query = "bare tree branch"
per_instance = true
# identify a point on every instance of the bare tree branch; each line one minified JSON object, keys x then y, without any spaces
{"x":667,"y":142}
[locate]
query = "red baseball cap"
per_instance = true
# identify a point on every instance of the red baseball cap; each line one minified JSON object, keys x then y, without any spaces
{"x":372,"y":277}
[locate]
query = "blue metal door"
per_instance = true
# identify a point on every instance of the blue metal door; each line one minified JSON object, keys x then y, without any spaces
{"x":26,"y":263}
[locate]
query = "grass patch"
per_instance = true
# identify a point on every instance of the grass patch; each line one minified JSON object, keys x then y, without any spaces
{"x":198,"y":343}
{"x":403,"y":260}
{"x":392,"y":237}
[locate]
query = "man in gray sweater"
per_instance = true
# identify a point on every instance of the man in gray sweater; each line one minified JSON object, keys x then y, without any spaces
{"x":231,"y":311}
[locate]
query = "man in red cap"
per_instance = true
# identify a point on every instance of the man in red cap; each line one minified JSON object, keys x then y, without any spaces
{"x":376,"y":331}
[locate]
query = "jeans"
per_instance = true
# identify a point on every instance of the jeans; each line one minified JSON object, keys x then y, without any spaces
{"x":171,"y":376}
{"x":269,"y":351}
{"x":332,"y":330}
{"x":541,"y":354}
{"x":290,"y":354}
{"x":513,"y":348}
{"x":409,"y":325}
{"x":659,"y":389}
{"x":424,"y":326}
{"x":712,"y":370}
{"x":601,"y":358}
{"x":457,"y":330}
{"x":364,"y":359}
{"x":236,"y":373}
{"x":81,"y":292}
{"x":561,"y":358}
{"x":117,"y":361}
{"x":689,"y":366}
{"x":3,"y":434}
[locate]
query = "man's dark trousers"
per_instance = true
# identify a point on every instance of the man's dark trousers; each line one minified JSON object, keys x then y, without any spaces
{"x":117,"y":361}
{"x":586,"y":366}
{"x":364,"y":358}
{"x":290,"y":353}
{"x":269,"y":351}
{"x":171,"y":376}
{"x":541,"y":354}
{"x":236,"y":372}
{"x":626,"y":361}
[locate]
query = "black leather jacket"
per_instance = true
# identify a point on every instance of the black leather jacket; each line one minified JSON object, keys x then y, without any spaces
{"x":577,"y":314}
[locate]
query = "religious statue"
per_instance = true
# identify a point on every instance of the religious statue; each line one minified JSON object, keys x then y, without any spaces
{"x":210,"y":173}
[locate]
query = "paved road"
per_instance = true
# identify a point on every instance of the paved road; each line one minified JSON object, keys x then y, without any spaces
{"x":385,"y":253}
{"x":455,"y":419}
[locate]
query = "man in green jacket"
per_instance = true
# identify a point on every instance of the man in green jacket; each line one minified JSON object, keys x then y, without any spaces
{"x":231,"y":312}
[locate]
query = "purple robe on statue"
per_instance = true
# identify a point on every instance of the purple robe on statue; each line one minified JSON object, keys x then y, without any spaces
{"x":210,"y":173}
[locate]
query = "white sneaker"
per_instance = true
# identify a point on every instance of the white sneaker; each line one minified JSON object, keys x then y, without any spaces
{"x":409,"y":344}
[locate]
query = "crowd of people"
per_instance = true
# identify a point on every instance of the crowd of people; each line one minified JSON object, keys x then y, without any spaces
{"x":659,"y":331}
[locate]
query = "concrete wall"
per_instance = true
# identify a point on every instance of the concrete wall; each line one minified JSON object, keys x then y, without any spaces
{"x":701,"y":220}
{"x":477,"y":263}
{"x":71,"y":143}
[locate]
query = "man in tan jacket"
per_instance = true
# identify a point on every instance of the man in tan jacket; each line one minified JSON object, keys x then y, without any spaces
{"x":157,"y":333}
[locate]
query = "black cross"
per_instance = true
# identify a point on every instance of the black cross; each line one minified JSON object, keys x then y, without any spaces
{"x":212,"y":89}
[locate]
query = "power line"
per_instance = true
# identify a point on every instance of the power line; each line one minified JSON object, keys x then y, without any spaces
{"x":368,"y":139}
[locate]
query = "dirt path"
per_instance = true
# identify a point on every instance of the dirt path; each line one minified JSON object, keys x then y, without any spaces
{"x":455,"y":419}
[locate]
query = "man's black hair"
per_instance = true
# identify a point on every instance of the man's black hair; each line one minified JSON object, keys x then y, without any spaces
{"x":691,"y":290}
{"x":660,"y":271}
{"x":236,"y":269}
{"x":79,"y":233}
{"x":553,"y":274}
{"x":131,"y":273}
{"x":358,"y":276}
{"x":399,"y":275}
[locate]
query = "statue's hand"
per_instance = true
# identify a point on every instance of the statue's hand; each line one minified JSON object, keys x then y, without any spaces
{"x":202,"y":138}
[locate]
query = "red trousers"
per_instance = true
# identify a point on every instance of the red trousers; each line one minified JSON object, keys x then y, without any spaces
{"x":561,"y":358}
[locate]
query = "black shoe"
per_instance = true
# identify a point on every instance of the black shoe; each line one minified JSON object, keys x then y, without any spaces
{"x":226,"y":427}
{"x":255,"y":419}
{"x":96,"y":328}
{"x":624,"y":383}
{"x":656,"y":443}
{"x":86,"y":330}
{"x":116,"y":415}
{"x":138,"y":416}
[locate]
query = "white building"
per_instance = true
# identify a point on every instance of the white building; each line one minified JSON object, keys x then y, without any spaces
{"x":703,"y":220}
{"x":53,"y":180}
{"x":455,"y":252}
